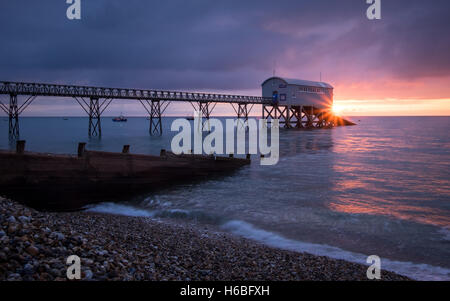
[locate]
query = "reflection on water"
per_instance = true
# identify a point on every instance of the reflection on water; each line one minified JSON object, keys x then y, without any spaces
{"x":397,"y":172}
{"x":381,"y":187}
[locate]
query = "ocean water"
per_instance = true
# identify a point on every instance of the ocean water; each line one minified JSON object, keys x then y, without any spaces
{"x":379,"y":188}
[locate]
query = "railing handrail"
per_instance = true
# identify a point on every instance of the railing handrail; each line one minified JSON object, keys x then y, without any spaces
{"x":60,"y":90}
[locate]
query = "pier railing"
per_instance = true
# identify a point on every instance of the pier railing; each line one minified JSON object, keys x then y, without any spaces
{"x":94,"y":101}
{"x":38,"y":89}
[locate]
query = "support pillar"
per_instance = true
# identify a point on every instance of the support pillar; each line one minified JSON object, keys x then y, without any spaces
{"x":94,"y":108}
{"x":155,"y":118}
{"x":205,"y":110}
{"x":277,"y":112}
{"x":95,"y":126}
{"x":13,"y":113}
{"x":287,"y":117}
{"x":242,"y":112}
{"x":155,"y":108}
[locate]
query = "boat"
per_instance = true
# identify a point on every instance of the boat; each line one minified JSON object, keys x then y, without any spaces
{"x":190,"y":118}
{"x":121,"y":118}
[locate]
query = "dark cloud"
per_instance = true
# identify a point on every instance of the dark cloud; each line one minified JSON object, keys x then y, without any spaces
{"x":226,"y":45}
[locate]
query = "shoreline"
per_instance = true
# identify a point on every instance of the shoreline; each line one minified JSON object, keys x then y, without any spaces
{"x":35,"y":246}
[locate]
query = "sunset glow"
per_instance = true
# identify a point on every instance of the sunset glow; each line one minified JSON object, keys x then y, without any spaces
{"x":392,"y":107}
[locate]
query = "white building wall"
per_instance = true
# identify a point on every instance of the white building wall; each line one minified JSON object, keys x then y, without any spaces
{"x":298,"y":95}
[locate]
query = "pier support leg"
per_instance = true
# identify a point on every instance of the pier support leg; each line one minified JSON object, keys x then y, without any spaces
{"x":287,"y":117}
{"x":296,"y":112}
{"x":95,"y":126}
{"x":14,"y":132}
{"x":277,"y":112}
{"x":155,"y":118}
{"x":205,"y":110}
{"x":155,"y":109}
{"x":94,"y":108}
{"x":242,"y":112}
{"x":242,"y":115}
{"x":13,"y":111}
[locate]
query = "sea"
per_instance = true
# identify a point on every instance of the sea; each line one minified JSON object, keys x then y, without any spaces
{"x":381,"y":188}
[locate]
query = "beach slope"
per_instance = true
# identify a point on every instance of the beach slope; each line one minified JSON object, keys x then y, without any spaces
{"x":35,"y":246}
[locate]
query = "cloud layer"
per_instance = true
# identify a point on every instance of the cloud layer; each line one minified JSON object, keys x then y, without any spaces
{"x":231,"y":45}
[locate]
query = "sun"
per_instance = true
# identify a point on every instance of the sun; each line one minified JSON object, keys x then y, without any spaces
{"x":336,"y":109}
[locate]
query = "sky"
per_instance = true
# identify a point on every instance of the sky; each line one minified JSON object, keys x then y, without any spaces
{"x":399,"y":65}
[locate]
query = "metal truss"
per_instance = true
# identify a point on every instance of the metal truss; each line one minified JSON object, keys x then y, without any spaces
{"x":299,"y":116}
{"x":242,"y":111}
{"x":155,"y":109}
{"x":13,"y":111}
{"x":205,"y":109}
{"x":94,"y":109}
{"x":38,"y":89}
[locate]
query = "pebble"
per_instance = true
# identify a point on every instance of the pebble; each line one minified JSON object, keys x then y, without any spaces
{"x":24,"y":219}
{"x":88,"y":275}
{"x":136,"y":248}
{"x":14,"y":277}
{"x":32,"y":250}
{"x":57,"y":235}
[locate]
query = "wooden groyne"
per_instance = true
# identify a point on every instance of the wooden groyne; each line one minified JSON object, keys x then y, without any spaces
{"x":69,"y":182}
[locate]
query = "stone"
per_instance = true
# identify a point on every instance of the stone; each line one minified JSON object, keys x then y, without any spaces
{"x":32,"y":250}
{"x":12,"y":229}
{"x":28,"y":268}
{"x":14,"y":277}
{"x":24,"y":219}
{"x":88,"y":275}
{"x":57,"y":235}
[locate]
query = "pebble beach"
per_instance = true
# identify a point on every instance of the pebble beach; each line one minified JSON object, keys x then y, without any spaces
{"x":35,"y":246}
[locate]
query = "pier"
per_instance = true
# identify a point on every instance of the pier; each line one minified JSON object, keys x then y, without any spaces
{"x":95,"y":100}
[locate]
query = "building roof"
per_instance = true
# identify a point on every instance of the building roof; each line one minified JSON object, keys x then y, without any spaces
{"x":301,"y":82}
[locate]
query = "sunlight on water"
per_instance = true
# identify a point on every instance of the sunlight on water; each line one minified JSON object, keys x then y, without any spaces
{"x":381,"y":187}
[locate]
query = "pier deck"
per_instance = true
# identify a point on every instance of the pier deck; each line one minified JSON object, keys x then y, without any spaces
{"x":95,"y":100}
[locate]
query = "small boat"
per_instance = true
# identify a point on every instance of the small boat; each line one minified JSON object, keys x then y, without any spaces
{"x":190,"y":118}
{"x":121,"y":118}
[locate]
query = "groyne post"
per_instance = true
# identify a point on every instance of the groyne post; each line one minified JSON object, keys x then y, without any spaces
{"x":20,"y":147}
{"x":126,"y":149}
{"x":81,"y":149}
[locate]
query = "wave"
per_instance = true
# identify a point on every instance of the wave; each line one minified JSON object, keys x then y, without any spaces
{"x":118,"y":209}
{"x":249,"y":231}
{"x":112,"y":208}
{"x":409,"y":269}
